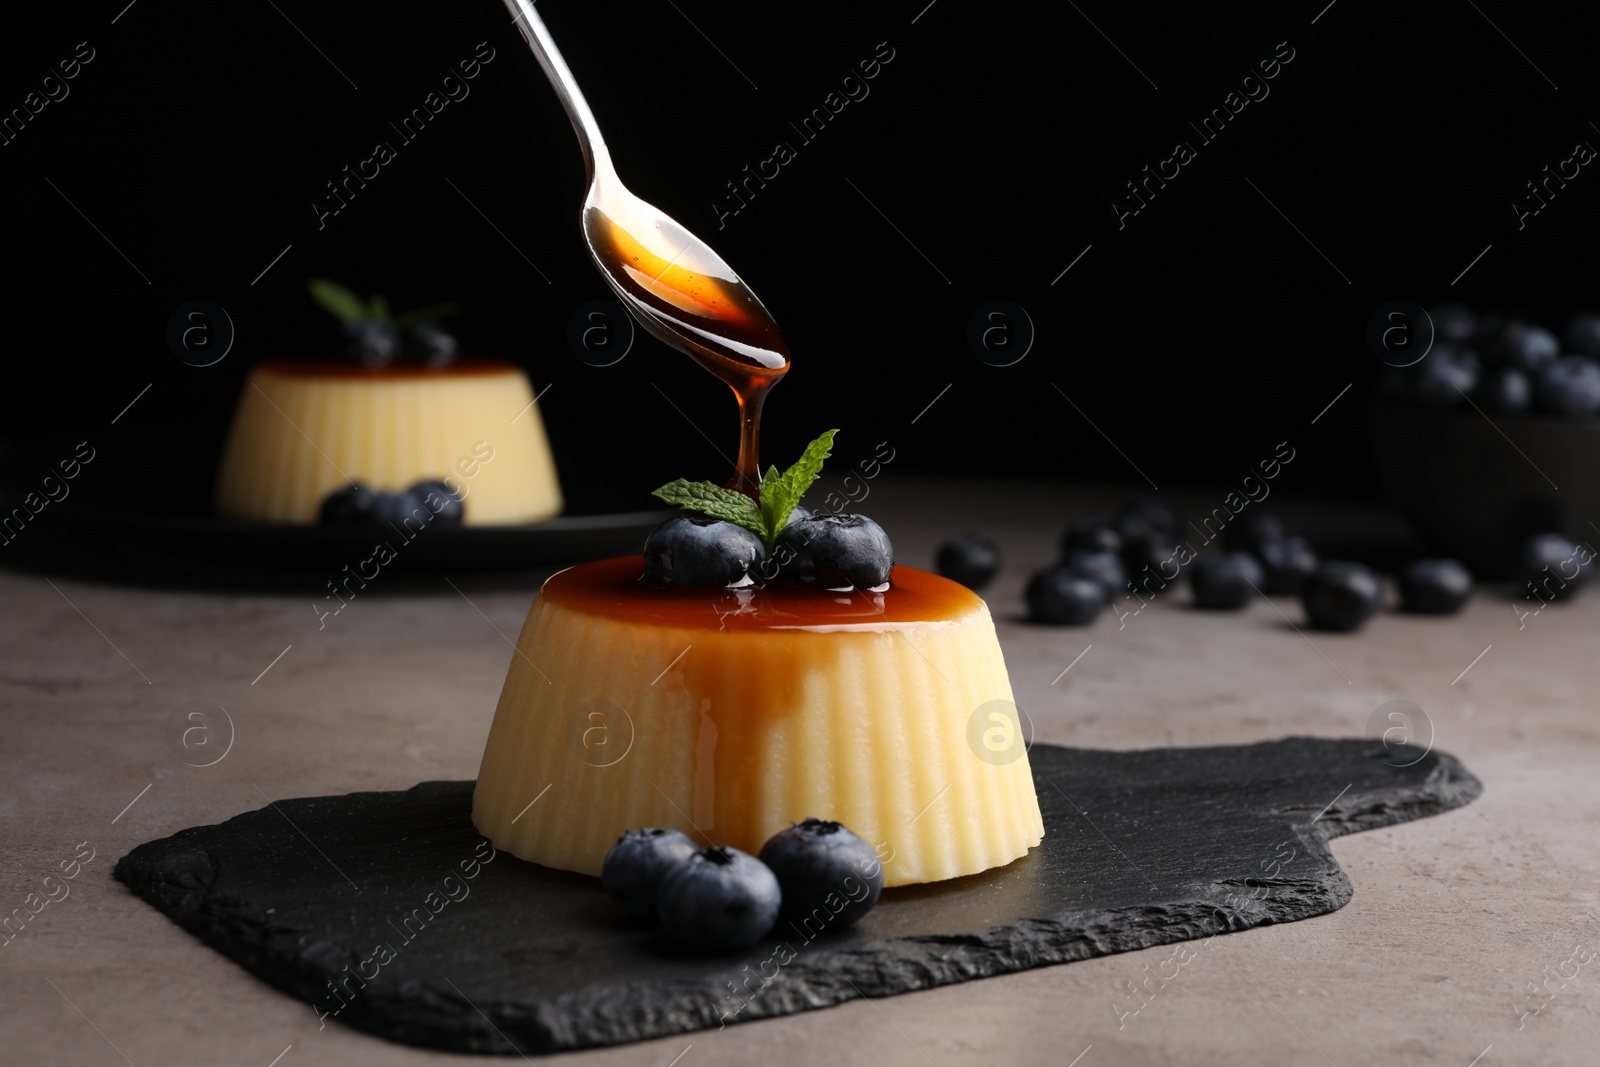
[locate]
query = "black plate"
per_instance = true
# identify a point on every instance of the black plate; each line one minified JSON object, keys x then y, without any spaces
{"x":131,"y":544}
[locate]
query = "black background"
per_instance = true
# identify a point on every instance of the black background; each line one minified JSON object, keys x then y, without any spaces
{"x":1196,"y":337}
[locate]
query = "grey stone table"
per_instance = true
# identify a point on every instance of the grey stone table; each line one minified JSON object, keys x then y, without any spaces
{"x":1470,"y":939}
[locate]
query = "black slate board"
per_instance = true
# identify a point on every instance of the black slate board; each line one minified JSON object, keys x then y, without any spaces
{"x":1141,"y":848}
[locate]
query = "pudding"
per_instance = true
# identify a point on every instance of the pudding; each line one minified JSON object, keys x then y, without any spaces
{"x":305,"y":429}
{"x":729,"y":714}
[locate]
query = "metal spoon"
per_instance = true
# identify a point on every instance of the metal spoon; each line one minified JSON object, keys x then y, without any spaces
{"x":671,"y":281}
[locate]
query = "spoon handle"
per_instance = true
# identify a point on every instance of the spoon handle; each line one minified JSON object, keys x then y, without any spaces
{"x":566,"y":86}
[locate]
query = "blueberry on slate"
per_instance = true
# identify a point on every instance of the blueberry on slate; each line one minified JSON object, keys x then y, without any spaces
{"x":1341,"y":596}
{"x":1448,"y":371}
{"x":836,"y":551}
{"x":1286,"y":564}
{"x":633,"y":869}
{"x":719,"y":898}
{"x":1102,"y":568}
{"x":1147,"y":516}
{"x":1582,"y":335}
{"x":1570,"y":386}
{"x":1225,"y":580}
{"x":350,"y":506}
{"x":404,"y":510}
{"x":694,"y":551}
{"x":1524,"y":346}
{"x":1094,"y":534}
{"x":1453,"y":322}
{"x":1434,"y":586}
{"x":1505,"y":389}
{"x":1257,"y":528}
{"x":441,"y":500}
{"x":1553,"y":568}
{"x":431,"y":343}
{"x":371,"y":342}
{"x":971,"y":560}
{"x":827,"y":873}
{"x":1061,"y":598}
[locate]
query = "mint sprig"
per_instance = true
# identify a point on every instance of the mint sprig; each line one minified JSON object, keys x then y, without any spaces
{"x":779,"y":494}
{"x":344,"y":305}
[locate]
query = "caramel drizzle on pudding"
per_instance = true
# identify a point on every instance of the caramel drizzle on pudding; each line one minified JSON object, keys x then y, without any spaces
{"x":619,"y":589}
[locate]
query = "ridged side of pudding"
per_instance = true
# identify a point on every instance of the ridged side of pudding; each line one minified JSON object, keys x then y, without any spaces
{"x":731,"y":715}
{"x":303,"y":430}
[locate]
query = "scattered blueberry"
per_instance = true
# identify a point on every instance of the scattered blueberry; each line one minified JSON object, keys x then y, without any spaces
{"x":1448,"y":371}
{"x":636,"y":864}
{"x":1095,"y":534}
{"x":1453,"y":322}
{"x":1225,"y":580}
{"x":1341,"y":596}
{"x":1570,"y":386}
{"x":1061,"y":598}
{"x":1434,"y":586}
{"x":1582,"y":335}
{"x":719,"y":898}
{"x":694,"y":551}
{"x":1286,"y":564}
{"x":836,"y":551}
{"x":1524,"y":346}
{"x":1150,"y":556}
{"x":821,"y":866}
{"x":971,"y":560}
{"x":1256,"y":529}
{"x":400,"y":509}
{"x":1505,"y":389}
{"x":1102,"y":568}
{"x":350,"y":506}
{"x":431,"y":343}
{"x":1553,"y":568}
{"x":1147,"y":517}
{"x":371,"y":342}
{"x":441,"y":500}
{"x":1489,"y":327}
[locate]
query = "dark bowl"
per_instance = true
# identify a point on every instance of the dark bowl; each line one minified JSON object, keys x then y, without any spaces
{"x":1476,"y":485}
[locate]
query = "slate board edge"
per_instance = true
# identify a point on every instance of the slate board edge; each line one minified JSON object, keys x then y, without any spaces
{"x":443,"y":1019}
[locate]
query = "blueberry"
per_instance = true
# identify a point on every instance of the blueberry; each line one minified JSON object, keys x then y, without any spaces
{"x":1553,"y":568}
{"x":1524,"y":346}
{"x":1102,"y":568}
{"x":1061,"y":598}
{"x":694,"y":551}
{"x":441,"y":500}
{"x":1582,"y":335}
{"x":1147,"y":517}
{"x":1505,"y":390}
{"x":1341,"y":596}
{"x":1287,"y":564}
{"x":371,"y":342}
{"x":836,"y":551}
{"x":350,"y":506}
{"x":1150,"y":556}
{"x":1095,"y":534}
{"x":636,"y":864}
{"x":1225,"y":580}
{"x":403,"y":510}
{"x":719,"y":898}
{"x":826,"y":873}
{"x":970,"y":560}
{"x":1570,"y":386}
{"x":430,"y":343}
{"x":1453,"y":322}
{"x":1434,"y":586}
{"x":1256,"y":529}
{"x":1448,"y":371}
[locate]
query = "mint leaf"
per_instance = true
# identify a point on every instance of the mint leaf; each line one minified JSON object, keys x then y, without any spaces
{"x":424,"y":314}
{"x":378,"y":308}
{"x":708,"y":498}
{"x":336,"y":300}
{"x":780,"y":493}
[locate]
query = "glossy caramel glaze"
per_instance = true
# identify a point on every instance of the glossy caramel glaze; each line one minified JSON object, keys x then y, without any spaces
{"x":620,"y":589}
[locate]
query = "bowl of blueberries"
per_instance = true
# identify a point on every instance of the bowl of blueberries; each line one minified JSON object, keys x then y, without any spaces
{"x":1494,"y":435}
